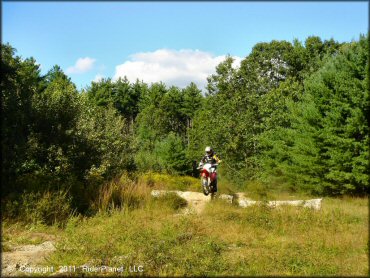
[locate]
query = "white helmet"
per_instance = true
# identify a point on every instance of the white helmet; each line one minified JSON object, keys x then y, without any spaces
{"x":208,"y":150}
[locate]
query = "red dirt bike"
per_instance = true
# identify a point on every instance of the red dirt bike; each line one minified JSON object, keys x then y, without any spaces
{"x":208,"y":176}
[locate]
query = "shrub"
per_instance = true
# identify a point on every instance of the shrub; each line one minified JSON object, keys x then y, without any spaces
{"x":172,"y":200}
{"x":45,"y":208}
{"x":170,"y":182}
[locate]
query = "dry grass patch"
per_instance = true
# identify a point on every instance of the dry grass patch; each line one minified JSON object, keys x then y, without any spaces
{"x":294,"y":241}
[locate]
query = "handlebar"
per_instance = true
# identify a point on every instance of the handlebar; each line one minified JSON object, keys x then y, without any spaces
{"x":212,"y":165}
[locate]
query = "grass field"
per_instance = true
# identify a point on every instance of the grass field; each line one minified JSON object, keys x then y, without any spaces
{"x":223,"y":240}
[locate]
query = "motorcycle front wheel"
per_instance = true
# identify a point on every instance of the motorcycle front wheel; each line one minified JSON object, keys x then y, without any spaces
{"x":205,"y":186}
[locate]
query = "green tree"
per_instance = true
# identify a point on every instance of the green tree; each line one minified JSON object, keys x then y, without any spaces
{"x":101,"y":92}
{"x":192,"y":102}
{"x":245,"y":106}
{"x":150,"y":125}
{"x":173,"y":117}
{"x":55,"y":114}
{"x":340,"y":93}
{"x":324,"y":149}
{"x":20,"y":81}
{"x":171,"y":155}
{"x":103,"y":148}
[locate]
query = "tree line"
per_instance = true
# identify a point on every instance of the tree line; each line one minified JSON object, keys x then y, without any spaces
{"x":292,"y":115}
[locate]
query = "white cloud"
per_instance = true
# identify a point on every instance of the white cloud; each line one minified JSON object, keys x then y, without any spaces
{"x":173,"y":67}
{"x":98,"y":77}
{"x":82,"y":65}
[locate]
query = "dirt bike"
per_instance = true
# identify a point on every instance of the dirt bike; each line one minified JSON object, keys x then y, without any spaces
{"x":208,"y":178}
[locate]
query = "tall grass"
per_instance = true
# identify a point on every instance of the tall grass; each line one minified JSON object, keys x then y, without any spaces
{"x":121,"y":193}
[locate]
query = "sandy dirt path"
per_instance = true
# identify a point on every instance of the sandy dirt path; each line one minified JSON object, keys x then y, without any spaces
{"x":197,"y":201}
{"x":22,"y":258}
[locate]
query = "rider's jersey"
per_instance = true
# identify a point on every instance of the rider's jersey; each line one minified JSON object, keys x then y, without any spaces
{"x":210,"y":159}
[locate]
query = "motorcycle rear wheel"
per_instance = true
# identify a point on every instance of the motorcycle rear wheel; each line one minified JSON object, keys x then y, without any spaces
{"x":212,"y":191}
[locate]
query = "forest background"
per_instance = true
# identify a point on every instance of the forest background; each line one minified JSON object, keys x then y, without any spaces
{"x":293,"y":117}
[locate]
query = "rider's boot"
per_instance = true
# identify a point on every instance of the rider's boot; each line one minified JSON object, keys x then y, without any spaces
{"x":215,"y":186}
{"x":214,"y":190}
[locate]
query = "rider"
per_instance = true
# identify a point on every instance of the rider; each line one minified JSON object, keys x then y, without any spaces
{"x":210,"y":157}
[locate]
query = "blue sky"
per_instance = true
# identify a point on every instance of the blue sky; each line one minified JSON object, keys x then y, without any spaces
{"x":172,"y":41}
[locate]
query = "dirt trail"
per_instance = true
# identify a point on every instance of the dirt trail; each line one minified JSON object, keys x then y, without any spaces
{"x":23,"y":258}
{"x":197,"y":201}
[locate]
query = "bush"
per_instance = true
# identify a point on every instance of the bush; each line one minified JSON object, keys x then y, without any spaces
{"x":45,"y":208}
{"x":146,"y":161}
{"x":169,"y":182}
{"x":172,"y":200}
